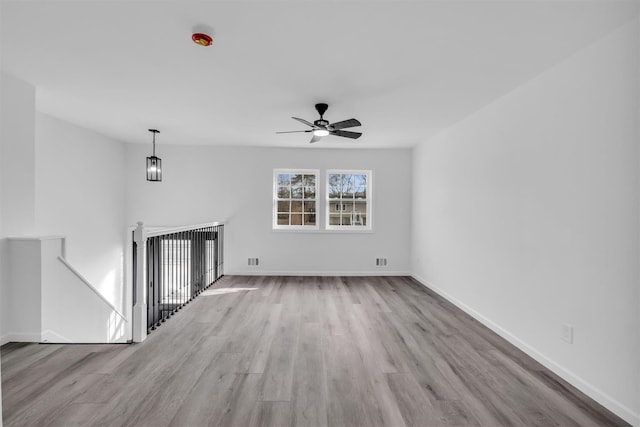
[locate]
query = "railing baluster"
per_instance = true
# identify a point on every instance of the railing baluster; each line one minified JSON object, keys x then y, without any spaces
{"x":182,"y":269}
{"x":179,"y":266}
{"x":174,"y":269}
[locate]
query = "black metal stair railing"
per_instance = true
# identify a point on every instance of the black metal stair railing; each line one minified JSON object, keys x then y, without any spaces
{"x":179,"y":266}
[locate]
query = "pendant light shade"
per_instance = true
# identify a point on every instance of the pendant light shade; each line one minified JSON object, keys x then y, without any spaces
{"x":154,"y":164}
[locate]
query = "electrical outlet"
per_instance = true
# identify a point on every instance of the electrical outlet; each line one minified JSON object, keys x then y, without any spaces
{"x":253,"y":261}
{"x":381,"y":262}
{"x":567,"y":333}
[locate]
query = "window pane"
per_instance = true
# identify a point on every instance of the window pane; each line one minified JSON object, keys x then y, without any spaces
{"x":358,"y":218}
{"x":283,"y":206}
{"x":346,"y":219}
{"x":360,"y":180}
{"x":347,"y":206}
{"x":284,"y":180}
{"x":297,"y":185}
{"x":310,"y":192}
{"x":334,"y":219}
{"x":309,"y":219}
{"x":284,"y":192}
{"x":360,"y":206}
{"x":296,"y":206}
{"x":337,"y":206}
{"x":283,"y":219}
{"x":296,"y":219}
{"x":360,"y":186}
{"x":309,"y":206}
{"x":335,"y":186}
{"x":347,"y":186}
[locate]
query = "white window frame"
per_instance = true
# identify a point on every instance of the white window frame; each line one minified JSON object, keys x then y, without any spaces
{"x":275,"y":225}
{"x":369,"y":200}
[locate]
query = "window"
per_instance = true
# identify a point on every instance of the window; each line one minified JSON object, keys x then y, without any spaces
{"x":295,"y":199}
{"x":348,"y":200}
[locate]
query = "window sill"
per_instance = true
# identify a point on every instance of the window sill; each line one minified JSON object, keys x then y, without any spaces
{"x":323,"y":231}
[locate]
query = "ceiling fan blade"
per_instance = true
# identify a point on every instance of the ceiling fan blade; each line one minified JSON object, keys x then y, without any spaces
{"x":346,"y":134}
{"x":345,"y":124}
{"x":295,"y":131}
{"x":315,"y":138}
{"x":303,"y":121}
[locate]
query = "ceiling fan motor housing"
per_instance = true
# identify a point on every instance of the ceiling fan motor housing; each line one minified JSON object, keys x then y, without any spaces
{"x":321,"y":109}
{"x":321,"y":122}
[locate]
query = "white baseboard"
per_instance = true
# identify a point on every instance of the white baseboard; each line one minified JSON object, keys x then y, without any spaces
{"x":51,"y":337}
{"x":584,"y":386}
{"x":20,"y":337}
{"x":319,"y":273}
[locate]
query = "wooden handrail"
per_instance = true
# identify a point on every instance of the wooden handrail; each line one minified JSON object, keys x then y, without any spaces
{"x":163,"y":231}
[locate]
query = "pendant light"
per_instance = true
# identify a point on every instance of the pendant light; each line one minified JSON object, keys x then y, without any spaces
{"x":154,"y":164}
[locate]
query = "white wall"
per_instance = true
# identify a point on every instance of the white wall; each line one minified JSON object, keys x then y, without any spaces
{"x":88,"y":318}
{"x":17,"y":184}
{"x":234,"y":185}
{"x":80,"y":185}
{"x":18,"y":148}
{"x":526,"y":214}
{"x":25,"y":293}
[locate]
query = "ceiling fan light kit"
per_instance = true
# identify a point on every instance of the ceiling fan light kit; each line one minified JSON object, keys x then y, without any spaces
{"x":322,"y":127}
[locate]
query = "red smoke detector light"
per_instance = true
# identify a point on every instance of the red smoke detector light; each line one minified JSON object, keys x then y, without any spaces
{"x":202,"y":39}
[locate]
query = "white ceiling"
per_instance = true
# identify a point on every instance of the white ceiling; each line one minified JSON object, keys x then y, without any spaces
{"x":406,"y":70}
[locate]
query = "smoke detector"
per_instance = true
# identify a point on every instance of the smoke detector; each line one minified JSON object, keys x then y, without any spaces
{"x":202,"y":39}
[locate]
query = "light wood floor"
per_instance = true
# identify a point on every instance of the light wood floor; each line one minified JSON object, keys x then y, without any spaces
{"x":293,"y":351}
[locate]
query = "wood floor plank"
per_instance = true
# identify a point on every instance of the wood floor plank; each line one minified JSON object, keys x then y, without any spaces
{"x":278,"y":373}
{"x":254,"y":359}
{"x":297,"y":351}
{"x":421,"y":361}
{"x":206,"y":402}
{"x":76,"y":415}
{"x":311,"y":307}
{"x":332,"y":321}
{"x":23,"y":356}
{"x":415,"y":407}
{"x":46,"y":408}
{"x":167,"y":398}
{"x":309,"y":388}
{"x":272,"y":414}
{"x":244,"y":394}
{"x":552,"y":402}
{"x":345,"y":406}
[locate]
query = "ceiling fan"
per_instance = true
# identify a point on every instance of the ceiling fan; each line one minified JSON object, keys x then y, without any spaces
{"x":322,"y":127}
